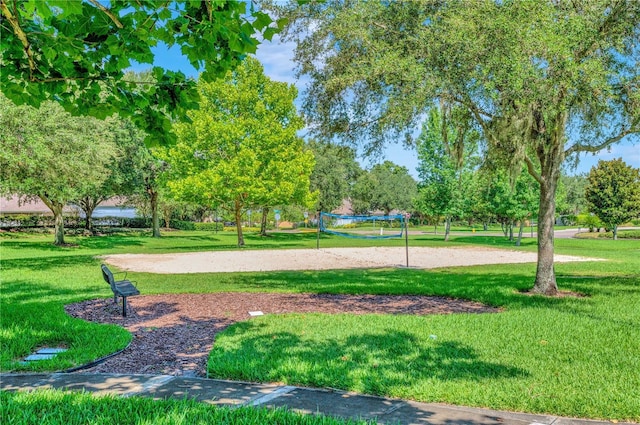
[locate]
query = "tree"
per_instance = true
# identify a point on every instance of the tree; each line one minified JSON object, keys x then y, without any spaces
{"x":48,"y":154}
{"x":75,"y":53}
{"x":543,"y":80}
{"x":334,"y":173}
{"x":510,"y":201}
{"x":124,"y":176}
{"x":573,"y":191}
{"x":446,"y":153}
{"x":613,"y":193}
{"x":241,"y":149}
{"x":385,"y":187}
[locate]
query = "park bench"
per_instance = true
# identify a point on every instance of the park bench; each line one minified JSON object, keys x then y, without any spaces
{"x":123,"y":288}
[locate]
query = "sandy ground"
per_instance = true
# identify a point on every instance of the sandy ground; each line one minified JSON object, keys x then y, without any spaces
{"x":322,"y":259}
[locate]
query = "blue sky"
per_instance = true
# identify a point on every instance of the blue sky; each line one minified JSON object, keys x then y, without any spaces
{"x":277,"y":57}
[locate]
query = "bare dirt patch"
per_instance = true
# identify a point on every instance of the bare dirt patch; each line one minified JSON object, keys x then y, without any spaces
{"x":173,"y":334}
{"x":321,"y":259}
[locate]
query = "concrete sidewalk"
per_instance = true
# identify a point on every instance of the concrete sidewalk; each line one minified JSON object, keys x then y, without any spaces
{"x":305,"y":400}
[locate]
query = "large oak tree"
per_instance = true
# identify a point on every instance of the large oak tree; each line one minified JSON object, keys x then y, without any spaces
{"x":48,"y":154}
{"x":543,"y":80}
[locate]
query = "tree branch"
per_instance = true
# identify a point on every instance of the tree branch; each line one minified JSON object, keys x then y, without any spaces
{"x":45,"y":200}
{"x":207,"y":4}
{"x":478,"y":114}
{"x":578,"y":147}
{"x":22,"y":36}
{"x":532,"y":169}
{"x":107,"y":12}
{"x":473,"y":107}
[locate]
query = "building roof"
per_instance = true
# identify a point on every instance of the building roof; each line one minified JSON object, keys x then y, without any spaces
{"x":18,"y":205}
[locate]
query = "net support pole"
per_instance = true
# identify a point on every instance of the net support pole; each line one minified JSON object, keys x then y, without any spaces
{"x":406,"y":237}
{"x":318,"y":232}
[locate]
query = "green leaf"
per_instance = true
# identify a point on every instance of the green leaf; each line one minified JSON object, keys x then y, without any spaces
{"x":269,"y":33}
{"x":66,"y":8}
{"x":262,"y":20}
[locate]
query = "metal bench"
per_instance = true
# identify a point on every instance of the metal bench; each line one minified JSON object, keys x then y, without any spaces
{"x":123,"y":288}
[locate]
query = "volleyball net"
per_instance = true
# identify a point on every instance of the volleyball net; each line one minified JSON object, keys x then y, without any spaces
{"x":363,"y":227}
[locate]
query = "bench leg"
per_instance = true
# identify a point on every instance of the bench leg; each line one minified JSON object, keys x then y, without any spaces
{"x":124,"y":306}
{"x":115,"y":298}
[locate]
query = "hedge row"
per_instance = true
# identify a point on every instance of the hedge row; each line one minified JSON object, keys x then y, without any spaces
{"x":70,"y":222}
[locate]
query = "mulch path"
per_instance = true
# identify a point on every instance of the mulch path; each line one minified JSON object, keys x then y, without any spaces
{"x":173,"y":333}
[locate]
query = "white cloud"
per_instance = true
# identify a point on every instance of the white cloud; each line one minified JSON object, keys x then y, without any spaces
{"x":277,"y":58}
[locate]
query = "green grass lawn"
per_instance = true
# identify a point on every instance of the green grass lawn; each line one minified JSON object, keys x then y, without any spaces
{"x":566,"y":356}
{"x":57,"y":407}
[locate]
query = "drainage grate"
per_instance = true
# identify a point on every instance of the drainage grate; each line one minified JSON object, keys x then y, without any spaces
{"x":44,"y":354}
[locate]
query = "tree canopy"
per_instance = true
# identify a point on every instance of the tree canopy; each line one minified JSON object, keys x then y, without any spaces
{"x":123,"y":175}
{"x":447,"y":155}
{"x":384,"y":187}
{"x":335,"y":172}
{"x":48,"y":154}
{"x":613,"y":193}
{"x":75,"y":52}
{"x":542,"y":80}
{"x":241,"y":149}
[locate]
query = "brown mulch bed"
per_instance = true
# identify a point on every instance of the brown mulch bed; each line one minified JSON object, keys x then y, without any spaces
{"x":173,"y":333}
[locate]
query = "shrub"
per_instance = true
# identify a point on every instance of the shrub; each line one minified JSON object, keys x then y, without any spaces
{"x":622,"y":234}
{"x":182,"y":225}
{"x":590,"y":221}
{"x":20,"y":220}
{"x":347,"y":226}
{"x":136,"y":222}
{"x":210,"y":226}
{"x":569,"y":220}
{"x":251,"y":229}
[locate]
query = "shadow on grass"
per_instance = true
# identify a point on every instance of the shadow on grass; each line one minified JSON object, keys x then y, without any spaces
{"x":496,"y":289}
{"x":110,"y":242}
{"x":370,"y":362}
{"x":37,"y":246}
{"x":24,"y":292}
{"x":93,"y":242}
{"x":50,"y":262}
{"x":485,"y":240}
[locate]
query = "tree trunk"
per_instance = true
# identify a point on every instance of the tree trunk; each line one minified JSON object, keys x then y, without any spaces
{"x":520,"y":233}
{"x":58,"y":218}
{"x":551,"y":158}
{"x":59,"y":222}
{"x":155,"y":215}
{"x":263,"y":222}
{"x":545,"y":274}
{"x":167,"y":212}
{"x":238,"y":214}
{"x":510,"y":227}
{"x":88,"y":205}
{"x":88,"y":212}
{"x":447,"y":228}
{"x":615,"y":232}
